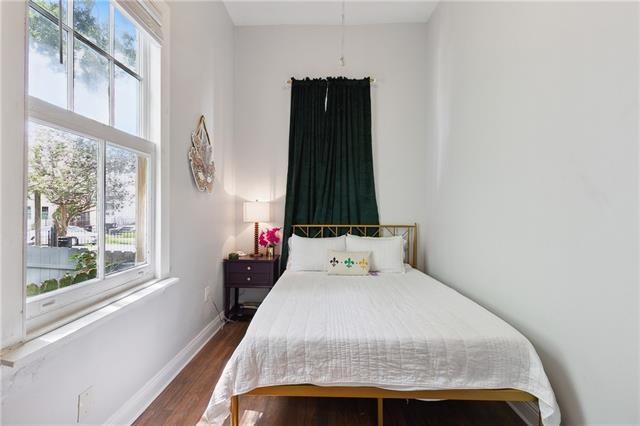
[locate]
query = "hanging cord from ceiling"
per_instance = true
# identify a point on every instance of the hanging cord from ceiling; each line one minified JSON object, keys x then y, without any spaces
{"x":341,"y":60}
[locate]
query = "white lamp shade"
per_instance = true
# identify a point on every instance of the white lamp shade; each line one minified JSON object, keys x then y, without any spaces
{"x":256,"y":211}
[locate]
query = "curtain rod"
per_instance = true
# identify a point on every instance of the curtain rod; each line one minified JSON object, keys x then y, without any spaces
{"x":371,"y":80}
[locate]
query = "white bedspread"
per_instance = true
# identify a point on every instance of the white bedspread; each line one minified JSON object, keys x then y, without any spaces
{"x":393,"y":331}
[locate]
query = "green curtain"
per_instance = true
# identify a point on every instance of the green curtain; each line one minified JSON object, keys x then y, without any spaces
{"x":330,"y":172}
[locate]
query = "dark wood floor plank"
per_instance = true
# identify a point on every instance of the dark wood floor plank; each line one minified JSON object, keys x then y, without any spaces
{"x":186,"y":397}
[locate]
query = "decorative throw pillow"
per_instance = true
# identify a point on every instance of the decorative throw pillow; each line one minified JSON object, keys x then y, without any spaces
{"x":348,"y":262}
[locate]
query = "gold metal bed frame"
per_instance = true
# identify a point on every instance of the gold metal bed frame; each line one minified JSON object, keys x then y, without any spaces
{"x":409,"y":233}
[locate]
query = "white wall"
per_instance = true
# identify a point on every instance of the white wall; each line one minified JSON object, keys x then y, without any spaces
{"x":267,"y":56}
{"x":202,"y":224}
{"x":533,"y":184}
{"x":119,"y":356}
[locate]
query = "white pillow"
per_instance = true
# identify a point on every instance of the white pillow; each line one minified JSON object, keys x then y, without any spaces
{"x":310,"y":254}
{"x":387,"y":253}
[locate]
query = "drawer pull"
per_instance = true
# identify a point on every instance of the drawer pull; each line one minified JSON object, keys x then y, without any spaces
{"x":248,"y":268}
{"x":248,"y":278}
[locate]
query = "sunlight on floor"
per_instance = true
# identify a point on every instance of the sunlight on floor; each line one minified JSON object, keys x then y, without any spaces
{"x":250,"y":417}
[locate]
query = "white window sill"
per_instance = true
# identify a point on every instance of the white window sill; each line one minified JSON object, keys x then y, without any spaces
{"x":22,"y":354}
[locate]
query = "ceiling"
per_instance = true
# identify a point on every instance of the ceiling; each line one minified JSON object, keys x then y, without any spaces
{"x":298,"y":12}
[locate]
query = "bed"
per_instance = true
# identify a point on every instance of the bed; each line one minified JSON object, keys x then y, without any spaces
{"x":390,"y":335}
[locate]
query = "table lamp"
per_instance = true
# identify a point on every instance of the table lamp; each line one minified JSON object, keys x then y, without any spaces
{"x":256,"y":212}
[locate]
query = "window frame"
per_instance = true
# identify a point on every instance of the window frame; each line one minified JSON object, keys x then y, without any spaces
{"x":49,"y":310}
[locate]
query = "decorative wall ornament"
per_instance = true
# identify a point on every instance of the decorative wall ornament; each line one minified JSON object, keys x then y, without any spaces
{"x":201,"y":158}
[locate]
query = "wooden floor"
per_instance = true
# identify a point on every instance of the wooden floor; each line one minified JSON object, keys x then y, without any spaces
{"x":184,"y":401}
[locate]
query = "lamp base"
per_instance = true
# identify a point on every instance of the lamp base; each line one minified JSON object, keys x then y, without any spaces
{"x":256,"y":253}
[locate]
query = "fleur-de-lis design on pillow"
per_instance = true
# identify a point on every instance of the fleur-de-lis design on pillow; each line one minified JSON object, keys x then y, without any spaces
{"x":363,"y":263}
{"x":334,"y":262}
{"x":349,"y":262}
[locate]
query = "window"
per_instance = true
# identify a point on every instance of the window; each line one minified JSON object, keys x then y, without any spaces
{"x":103,"y":79}
{"x":90,"y":230}
{"x":125,"y":209}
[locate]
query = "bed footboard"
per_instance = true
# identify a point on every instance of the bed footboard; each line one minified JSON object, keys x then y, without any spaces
{"x":380,"y":394}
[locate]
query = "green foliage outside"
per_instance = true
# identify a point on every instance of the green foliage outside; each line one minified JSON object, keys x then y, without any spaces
{"x":129,"y":239}
{"x":63,"y":168}
{"x":90,"y":67}
{"x":85,"y":269}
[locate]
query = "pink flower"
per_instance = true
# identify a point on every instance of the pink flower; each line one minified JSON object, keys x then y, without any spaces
{"x":269,"y":237}
{"x":272,"y":236}
{"x":262,"y":240}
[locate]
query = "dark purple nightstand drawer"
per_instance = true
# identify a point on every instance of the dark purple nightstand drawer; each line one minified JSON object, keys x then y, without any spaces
{"x":251,"y":267}
{"x":249,"y":279}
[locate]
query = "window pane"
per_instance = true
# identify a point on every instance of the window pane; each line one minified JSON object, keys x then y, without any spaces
{"x":91,"y":83}
{"x":125,"y":209}
{"x":53,"y":6}
{"x":62,"y":239}
{"x":126,"y":41}
{"x":126,"y":101}
{"x":47,"y":76}
{"x":91,"y":19}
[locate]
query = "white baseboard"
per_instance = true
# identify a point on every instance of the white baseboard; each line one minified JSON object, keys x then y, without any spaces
{"x":526,"y":410}
{"x":139,"y":402}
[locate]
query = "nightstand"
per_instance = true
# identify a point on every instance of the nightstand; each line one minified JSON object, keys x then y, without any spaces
{"x":248,"y":272}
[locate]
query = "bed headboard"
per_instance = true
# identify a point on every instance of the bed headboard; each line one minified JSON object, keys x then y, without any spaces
{"x":408,"y":232}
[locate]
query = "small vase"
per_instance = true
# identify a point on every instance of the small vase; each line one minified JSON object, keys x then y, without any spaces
{"x":270,"y":251}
